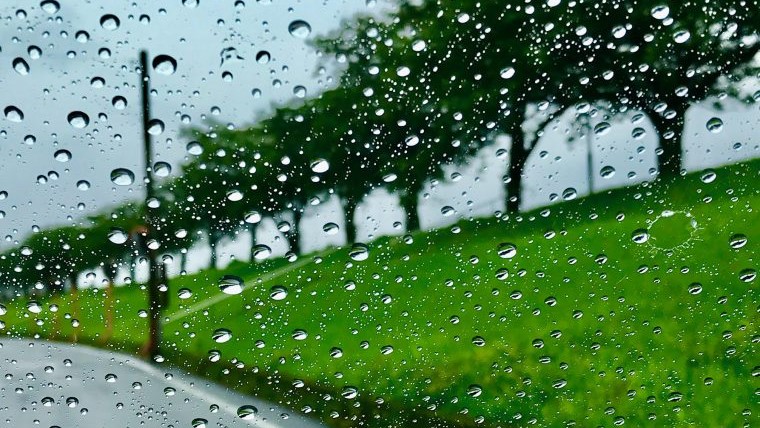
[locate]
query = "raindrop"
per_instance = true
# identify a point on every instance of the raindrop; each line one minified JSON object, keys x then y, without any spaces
{"x":359,"y":252}
{"x":162,"y":169}
{"x":602,"y":128}
{"x":569,"y":194}
{"x":330,"y":228}
{"x":83,"y":185}
{"x":299,"y":29}
{"x":299,"y":91}
{"x":708,"y":176}
{"x":737,"y":241}
{"x":299,"y":334}
{"x":117,"y":236}
{"x":478,"y":341}
{"x":412,"y":140}
{"x":231,"y":284}
{"x":50,"y":6}
{"x":349,"y":392}
{"x":119,"y":102}
{"x":681,"y":36}
{"x":122,"y":177}
{"x":660,"y":12}
{"x":247,"y":412}
{"x":278,"y":292}
{"x":190,"y":3}
{"x":62,"y":155}
{"x":234,"y":195}
{"x":109,"y":22}
{"x":21,"y":66}
{"x":507,"y":250}
{"x":199,"y":423}
{"x":34,"y":307}
{"x":507,"y":73}
{"x":253,"y":217}
{"x":695,"y":288}
{"x":419,"y":45}
{"x":474,"y":391}
{"x":747,"y":275}
{"x":320,"y":166}
{"x":194,"y":148}
{"x":263,"y":57}
{"x":78,"y":119}
{"x":111,"y":378}
{"x":261,"y":252}
{"x":607,"y":171}
{"x":184,"y":293}
{"x":14,"y":114}
{"x":165,"y":64}
{"x":221,"y":335}
{"x":155,"y":126}
{"x":638,"y":133}
{"x":714,"y":125}
{"x":640,"y":236}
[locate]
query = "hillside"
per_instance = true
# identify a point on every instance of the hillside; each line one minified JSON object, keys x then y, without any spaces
{"x":635,"y":306}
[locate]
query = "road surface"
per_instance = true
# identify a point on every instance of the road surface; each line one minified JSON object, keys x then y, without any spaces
{"x":46,"y":384}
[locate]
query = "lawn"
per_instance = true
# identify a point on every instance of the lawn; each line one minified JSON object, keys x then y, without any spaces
{"x":561,"y":315}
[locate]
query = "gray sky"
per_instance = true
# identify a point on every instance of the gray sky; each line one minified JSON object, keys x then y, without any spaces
{"x":60,"y":82}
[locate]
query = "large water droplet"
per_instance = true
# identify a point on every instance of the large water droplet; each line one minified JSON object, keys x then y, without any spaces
{"x":78,"y":119}
{"x":507,"y":250}
{"x":263,"y":57}
{"x":122,"y":177}
{"x":21,"y":66}
{"x":299,"y":28}
{"x":278,"y":292}
{"x":607,"y":171}
{"x":640,"y":236}
{"x":247,"y":412}
{"x":155,"y":127}
{"x":660,"y":12}
{"x":119,"y":102}
{"x":261,"y":252}
{"x":221,"y":335}
{"x":299,"y":334}
{"x":50,"y":6}
{"x":62,"y":155}
{"x":118,"y":236}
{"x":359,"y":252}
{"x":320,"y":166}
{"x":14,"y":114}
{"x":109,"y":22}
{"x":737,"y":241}
{"x":714,"y":125}
{"x":162,"y":169}
{"x":231,"y":284}
{"x":165,"y":64}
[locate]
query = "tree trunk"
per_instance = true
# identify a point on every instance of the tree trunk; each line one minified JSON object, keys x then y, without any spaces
{"x":410,"y":204}
{"x":110,"y":270}
{"x":213,"y":240}
{"x":349,"y":210}
{"x":518,"y":155}
{"x":292,"y":235}
{"x":671,"y":133}
{"x":252,"y":227}
{"x":74,"y":302}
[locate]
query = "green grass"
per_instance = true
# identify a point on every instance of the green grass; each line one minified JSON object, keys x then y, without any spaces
{"x":625,"y":341}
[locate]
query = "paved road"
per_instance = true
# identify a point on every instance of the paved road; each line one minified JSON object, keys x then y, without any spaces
{"x":45,"y":384}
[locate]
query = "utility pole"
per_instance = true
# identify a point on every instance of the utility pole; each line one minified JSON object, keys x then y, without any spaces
{"x":154,"y":270}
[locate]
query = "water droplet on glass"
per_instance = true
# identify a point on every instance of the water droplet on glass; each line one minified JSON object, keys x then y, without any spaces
{"x":221,"y":335}
{"x":199,"y":423}
{"x":111,"y":378}
{"x":263,"y":57}
{"x":681,"y":36}
{"x":21,"y":66}
{"x":50,"y":6}
{"x":299,"y":91}
{"x":660,"y":12}
{"x":714,"y":125}
{"x":507,"y":250}
{"x":359,"y":252}
{"x":234,"y":195}
{"x":155,"y":127}
{"x":117,"y":236}
{"x":330,"y":228}
{"x":119,"y":102}
{"x":640,"y":236}
{"x":602,"y":128}
{"x":278,"y":292}
{"x":747,"y":275}
{"x":162,"y":169}
{"x":109,"y":22}
{"x":607,"y":171}
{"x":253,"y":217}
{"x":247,"y":412}
{"x":569,"y":194}
{"x":299,"y":29}
{"x":14,"y":114}
{"x":299,"y":334}
{"x":708,"y":176}
{"x":62,"y":155}
{"x":231,"y":284}
{"x":507,"y":73}
{"x":78,"y":119}
{"x":320,"y":166}
{"x":474,"y":391}
{"x":184,"y":293}
{"x":122,"y":177}
{"x":34,"y":307}
{"x":164,"y":64}
{"x":737,"y":241}
{"x":194,"y":148}
{"x":83,"y":185}
{"x":261,"y":252}
{"x":190,"y":3}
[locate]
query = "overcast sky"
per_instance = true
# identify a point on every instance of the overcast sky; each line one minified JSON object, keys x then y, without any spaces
{"x":65,"y":78}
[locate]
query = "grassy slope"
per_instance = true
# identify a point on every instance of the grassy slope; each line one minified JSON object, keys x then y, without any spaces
{"x":625,"y":343}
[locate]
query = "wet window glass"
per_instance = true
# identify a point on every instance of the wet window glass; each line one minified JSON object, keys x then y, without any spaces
{"x":379,"y":213}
